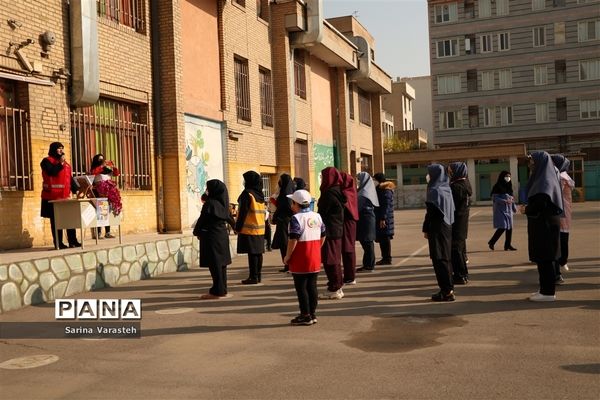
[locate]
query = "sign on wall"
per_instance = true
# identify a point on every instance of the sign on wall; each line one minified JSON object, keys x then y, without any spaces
{"x":204,"y":160}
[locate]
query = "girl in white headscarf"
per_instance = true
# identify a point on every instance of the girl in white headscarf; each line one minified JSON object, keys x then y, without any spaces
{"x":365,"y":232}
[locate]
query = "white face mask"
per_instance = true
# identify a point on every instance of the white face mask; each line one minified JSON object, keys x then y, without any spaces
{"x":507,"y":179}
{"x":427,"y":178}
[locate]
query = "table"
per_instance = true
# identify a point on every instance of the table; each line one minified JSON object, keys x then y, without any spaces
{"x":82,"y":214}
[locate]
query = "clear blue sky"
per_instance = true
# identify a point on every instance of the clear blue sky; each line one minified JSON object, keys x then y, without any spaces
{"x":399,"y":28}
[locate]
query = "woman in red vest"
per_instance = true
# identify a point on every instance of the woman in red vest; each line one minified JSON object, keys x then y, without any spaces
{"x":56,"y":173}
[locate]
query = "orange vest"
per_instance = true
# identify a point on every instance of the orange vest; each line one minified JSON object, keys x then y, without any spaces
{"x":254,"y":223}
{"x":59,"y":186}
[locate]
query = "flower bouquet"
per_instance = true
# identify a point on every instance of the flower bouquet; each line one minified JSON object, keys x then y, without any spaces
{"x":109,"y":190}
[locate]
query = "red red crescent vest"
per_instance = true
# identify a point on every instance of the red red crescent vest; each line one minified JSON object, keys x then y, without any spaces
{"x":59,"y":186}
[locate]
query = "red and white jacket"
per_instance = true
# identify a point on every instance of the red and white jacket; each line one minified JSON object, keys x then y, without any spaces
{"x":308,"y":228}
{"x":58,"y":186}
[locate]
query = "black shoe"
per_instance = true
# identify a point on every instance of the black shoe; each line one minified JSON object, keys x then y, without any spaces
{"x":439,"y":296}
{"x":74,"y":244}
{"x":509,"y":248}
{"x":364,"y":269}
{"x":250,"y":281}
{"x":63,"y":246}
{"x":314,"y":318}
{"x":302,"y":320}
{"x":284,"y":269}
{"x":384,"y":261}
{"x":459,"y":280}
{"x":491,"y":245}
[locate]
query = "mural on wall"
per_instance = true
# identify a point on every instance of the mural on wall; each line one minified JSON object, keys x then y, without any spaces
{"x":324,"y":157}
{"x":204,"y":160}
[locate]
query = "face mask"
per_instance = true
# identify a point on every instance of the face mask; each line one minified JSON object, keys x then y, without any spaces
{"x":427,"y":178}
{"x":507,"y":179}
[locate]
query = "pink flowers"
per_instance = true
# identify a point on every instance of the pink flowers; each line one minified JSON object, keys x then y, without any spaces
{"x":109,"y":190}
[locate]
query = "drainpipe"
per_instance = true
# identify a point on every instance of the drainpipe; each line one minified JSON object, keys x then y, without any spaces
{"x":156,"y":115}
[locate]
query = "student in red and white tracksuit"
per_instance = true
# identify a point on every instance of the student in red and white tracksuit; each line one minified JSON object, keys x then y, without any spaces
{"x":303,"y":256}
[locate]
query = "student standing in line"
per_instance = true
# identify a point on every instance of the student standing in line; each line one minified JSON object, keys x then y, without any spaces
{"x":461,"y":192}
{"x":365,"y":232}
{"x":250,"y":225}
{"x":211,"y":230}
{"x":503,"y":208}
{"x":350,"y":220}
{"x":331,"y":208}
{"x":385,"y":217}
{"x":282,"y":216}
{"x":306,"y":236}
{"x":543,"y":210}
{"x":567,"y":185}
{"x":437,"y":229}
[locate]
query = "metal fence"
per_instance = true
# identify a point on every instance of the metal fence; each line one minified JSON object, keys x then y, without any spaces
{"x":113,"y":129}
{"x":15,"y":150}
{"x":125,"y":12}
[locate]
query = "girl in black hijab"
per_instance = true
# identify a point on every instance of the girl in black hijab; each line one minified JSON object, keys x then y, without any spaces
{"x":503,"y":210}
{"x":461,"y":192}
{"x":212,"y":232}
{"x":282,"y":216}
{"x":250,"y":225}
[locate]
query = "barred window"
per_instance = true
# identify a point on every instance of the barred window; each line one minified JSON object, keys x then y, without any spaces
{"x":125,"y":12}
{"x":242,"y":89}
{"x":114,"y":129}
{"x":351,"y":100}
{"x":364,"y":107}
{"x":266,"y":97}
{"x":299,"y":74}
{"x":15,"y":142}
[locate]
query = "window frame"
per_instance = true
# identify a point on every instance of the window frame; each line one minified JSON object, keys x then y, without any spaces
{"x":507,"y":41}
{"x":540,"y":75}
{"x":539,"y":107}
{"x":111,"y":10}
{"x":457,"y":48}
{"x":457,"y":120}
{"x":243,"y":101}
{"x":541,"y":5}
{"x":486,"y":40}
{"x":507,"y":6}
{"x":485,"y":80}
{"x":597,"y":68}
{"x":506,"y":115}
{"x":364,"y":107}
{"x":300,"y":74}
{"x":266,"y":97}
{"x":452,"y":16}
{"x":539,"y":36}
{"x":595,"y":102}
{"x":489,"y":116}
{"x":596,"y":30}
{"x":508,"y":73}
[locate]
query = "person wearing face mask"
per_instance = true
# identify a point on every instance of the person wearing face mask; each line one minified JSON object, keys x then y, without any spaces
{"x":461,"y":192}
{"x":503,"y":209}
{"x":567,"y":185}
{"x":437,"y":229}
{"x":543,"y":210}
{"x":57,"y":184}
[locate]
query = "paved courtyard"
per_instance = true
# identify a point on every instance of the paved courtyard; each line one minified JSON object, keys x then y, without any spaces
{"x":385,"y":339}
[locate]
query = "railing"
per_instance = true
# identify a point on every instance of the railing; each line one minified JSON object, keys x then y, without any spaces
{"x":15,"y":150}
{"x":125,"y":12}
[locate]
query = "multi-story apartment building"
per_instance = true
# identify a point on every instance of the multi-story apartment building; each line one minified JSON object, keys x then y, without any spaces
{"x":422,"y":116}
{"x":400,"y":104}
{"x":507,"y":71}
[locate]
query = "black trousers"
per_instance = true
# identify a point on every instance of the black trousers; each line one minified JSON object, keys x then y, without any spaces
{"x":106,"y":228}
{"x":71,"y":234}
{"x":368,"y":260}
{"x":547,"y":277}
{"x":255,"y":262}
{"x":459,"y":262}
{"x":564,"y":248}
{"x":349,"y":265}
{"x":443,"y":274}
{"x":306,"y":289}
{"x":386,"y":248}
{"x":219,"y":278}
{"x":268,"y":234}
{"x":507,"y":237}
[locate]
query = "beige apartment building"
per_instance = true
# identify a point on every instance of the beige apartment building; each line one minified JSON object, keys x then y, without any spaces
{"x":518,"y":71}
{"x":422,"y":116}
{"x":400,"y":103}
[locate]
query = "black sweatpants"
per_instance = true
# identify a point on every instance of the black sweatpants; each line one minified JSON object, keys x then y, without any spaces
{"x":547,"y":277}
{"x":219,"y":278}
{"x":255,"y":262}
{"x":443,"y":274}
{"x":459,"y":262}
{"x":306,"y":289}
{"x":385,"y":245}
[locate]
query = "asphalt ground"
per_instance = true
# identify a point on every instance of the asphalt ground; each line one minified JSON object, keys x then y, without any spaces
{"x":384,"y":340}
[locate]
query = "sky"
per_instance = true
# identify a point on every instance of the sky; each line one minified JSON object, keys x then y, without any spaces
{"x":399,"y":28}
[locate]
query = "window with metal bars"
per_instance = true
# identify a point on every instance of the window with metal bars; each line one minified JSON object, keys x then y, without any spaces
{"x":15,"y":142}
{"x":364,"y":107}
{"x":351,"y":100}
{"x":299,"y":74}
{"x":125,"y":12}
{"x":242,"y":89}
{"x":115,"y":129}
{"x":266,"y":97}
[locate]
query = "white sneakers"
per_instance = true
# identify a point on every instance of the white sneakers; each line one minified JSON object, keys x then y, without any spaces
{"x":542,"y":297}
{"x":327,"y":295}
{"x":565,"y":267}
{"x":350,"y":282}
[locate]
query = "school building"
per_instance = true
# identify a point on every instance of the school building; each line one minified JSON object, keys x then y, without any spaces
{"x":227,"y":86}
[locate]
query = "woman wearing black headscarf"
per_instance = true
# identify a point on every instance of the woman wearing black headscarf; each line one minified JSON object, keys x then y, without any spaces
{"x":57,"y":184}
{"x":461,"y":192}
{"x":437,"y":229}
{"x":543,"y":210}
{"x":504,"y":208}
{"x":211,"y":230}
{"x":365,"y":231}
{"x":282,"y":216}
{"x":250,"y":225}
